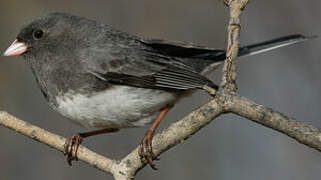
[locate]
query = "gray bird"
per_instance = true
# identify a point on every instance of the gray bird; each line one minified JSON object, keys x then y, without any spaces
{"x":101,"y":77}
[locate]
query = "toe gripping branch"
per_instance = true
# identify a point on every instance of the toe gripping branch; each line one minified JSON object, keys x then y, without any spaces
{"x":145,"y":149}
{"x":72,"y":144}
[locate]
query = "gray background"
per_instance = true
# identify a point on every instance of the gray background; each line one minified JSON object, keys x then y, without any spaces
{"x":230,"y":147}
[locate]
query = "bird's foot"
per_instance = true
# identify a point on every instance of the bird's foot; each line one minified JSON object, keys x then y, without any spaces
{"x":146,"y":152}
{"x":71,"y":148}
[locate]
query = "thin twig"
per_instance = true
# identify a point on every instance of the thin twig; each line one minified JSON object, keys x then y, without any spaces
{"x":55,"y":141}
{"x":299,"y":131}
{"x":233,"y":29}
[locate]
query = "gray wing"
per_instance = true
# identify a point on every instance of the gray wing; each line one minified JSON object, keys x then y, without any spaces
{"x":143,"y":67}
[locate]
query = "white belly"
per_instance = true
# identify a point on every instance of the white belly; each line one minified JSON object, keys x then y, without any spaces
{"x":116,"y":107}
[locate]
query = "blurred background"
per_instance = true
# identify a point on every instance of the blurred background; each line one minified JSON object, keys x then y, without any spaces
{"x":231,"y":147}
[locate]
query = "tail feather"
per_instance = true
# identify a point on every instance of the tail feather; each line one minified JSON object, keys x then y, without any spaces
{"x":250,"y":50}
{"x":272,"y":44}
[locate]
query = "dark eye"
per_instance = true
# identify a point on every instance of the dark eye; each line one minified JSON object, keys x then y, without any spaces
{"x":37,"y":34}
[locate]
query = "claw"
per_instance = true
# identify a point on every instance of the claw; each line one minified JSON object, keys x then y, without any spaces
{"x":72,"y":144}
{"x":146,"y":151}
{"x":71,"y":148}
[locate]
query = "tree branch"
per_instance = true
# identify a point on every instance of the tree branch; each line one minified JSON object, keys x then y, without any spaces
{"x":301,"y":132}
{"x":233,"y":29}
{"x":54,"y":141}
{"x":128,"y":166}
{"x":176,"y":133}
{"x":225,"y":102}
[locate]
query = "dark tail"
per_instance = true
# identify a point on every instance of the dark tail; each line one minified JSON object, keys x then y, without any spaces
{"x":272,"y":44}
{"x":218,"y":58}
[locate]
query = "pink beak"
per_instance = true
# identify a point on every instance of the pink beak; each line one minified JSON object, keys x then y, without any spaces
{"x":16,"y":49}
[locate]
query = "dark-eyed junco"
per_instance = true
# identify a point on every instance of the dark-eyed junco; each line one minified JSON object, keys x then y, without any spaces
{"x":101,"y":77}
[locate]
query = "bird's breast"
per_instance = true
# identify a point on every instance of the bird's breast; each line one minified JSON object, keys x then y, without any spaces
{"x":117,"y":106}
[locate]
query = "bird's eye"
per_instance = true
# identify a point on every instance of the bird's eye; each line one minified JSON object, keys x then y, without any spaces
{"x":37,"y":34}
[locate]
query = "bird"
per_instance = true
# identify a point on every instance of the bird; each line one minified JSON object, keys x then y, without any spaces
{"x":100,"y":77}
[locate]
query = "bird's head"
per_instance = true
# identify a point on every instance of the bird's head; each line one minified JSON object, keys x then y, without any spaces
{"x":55,"y":33}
